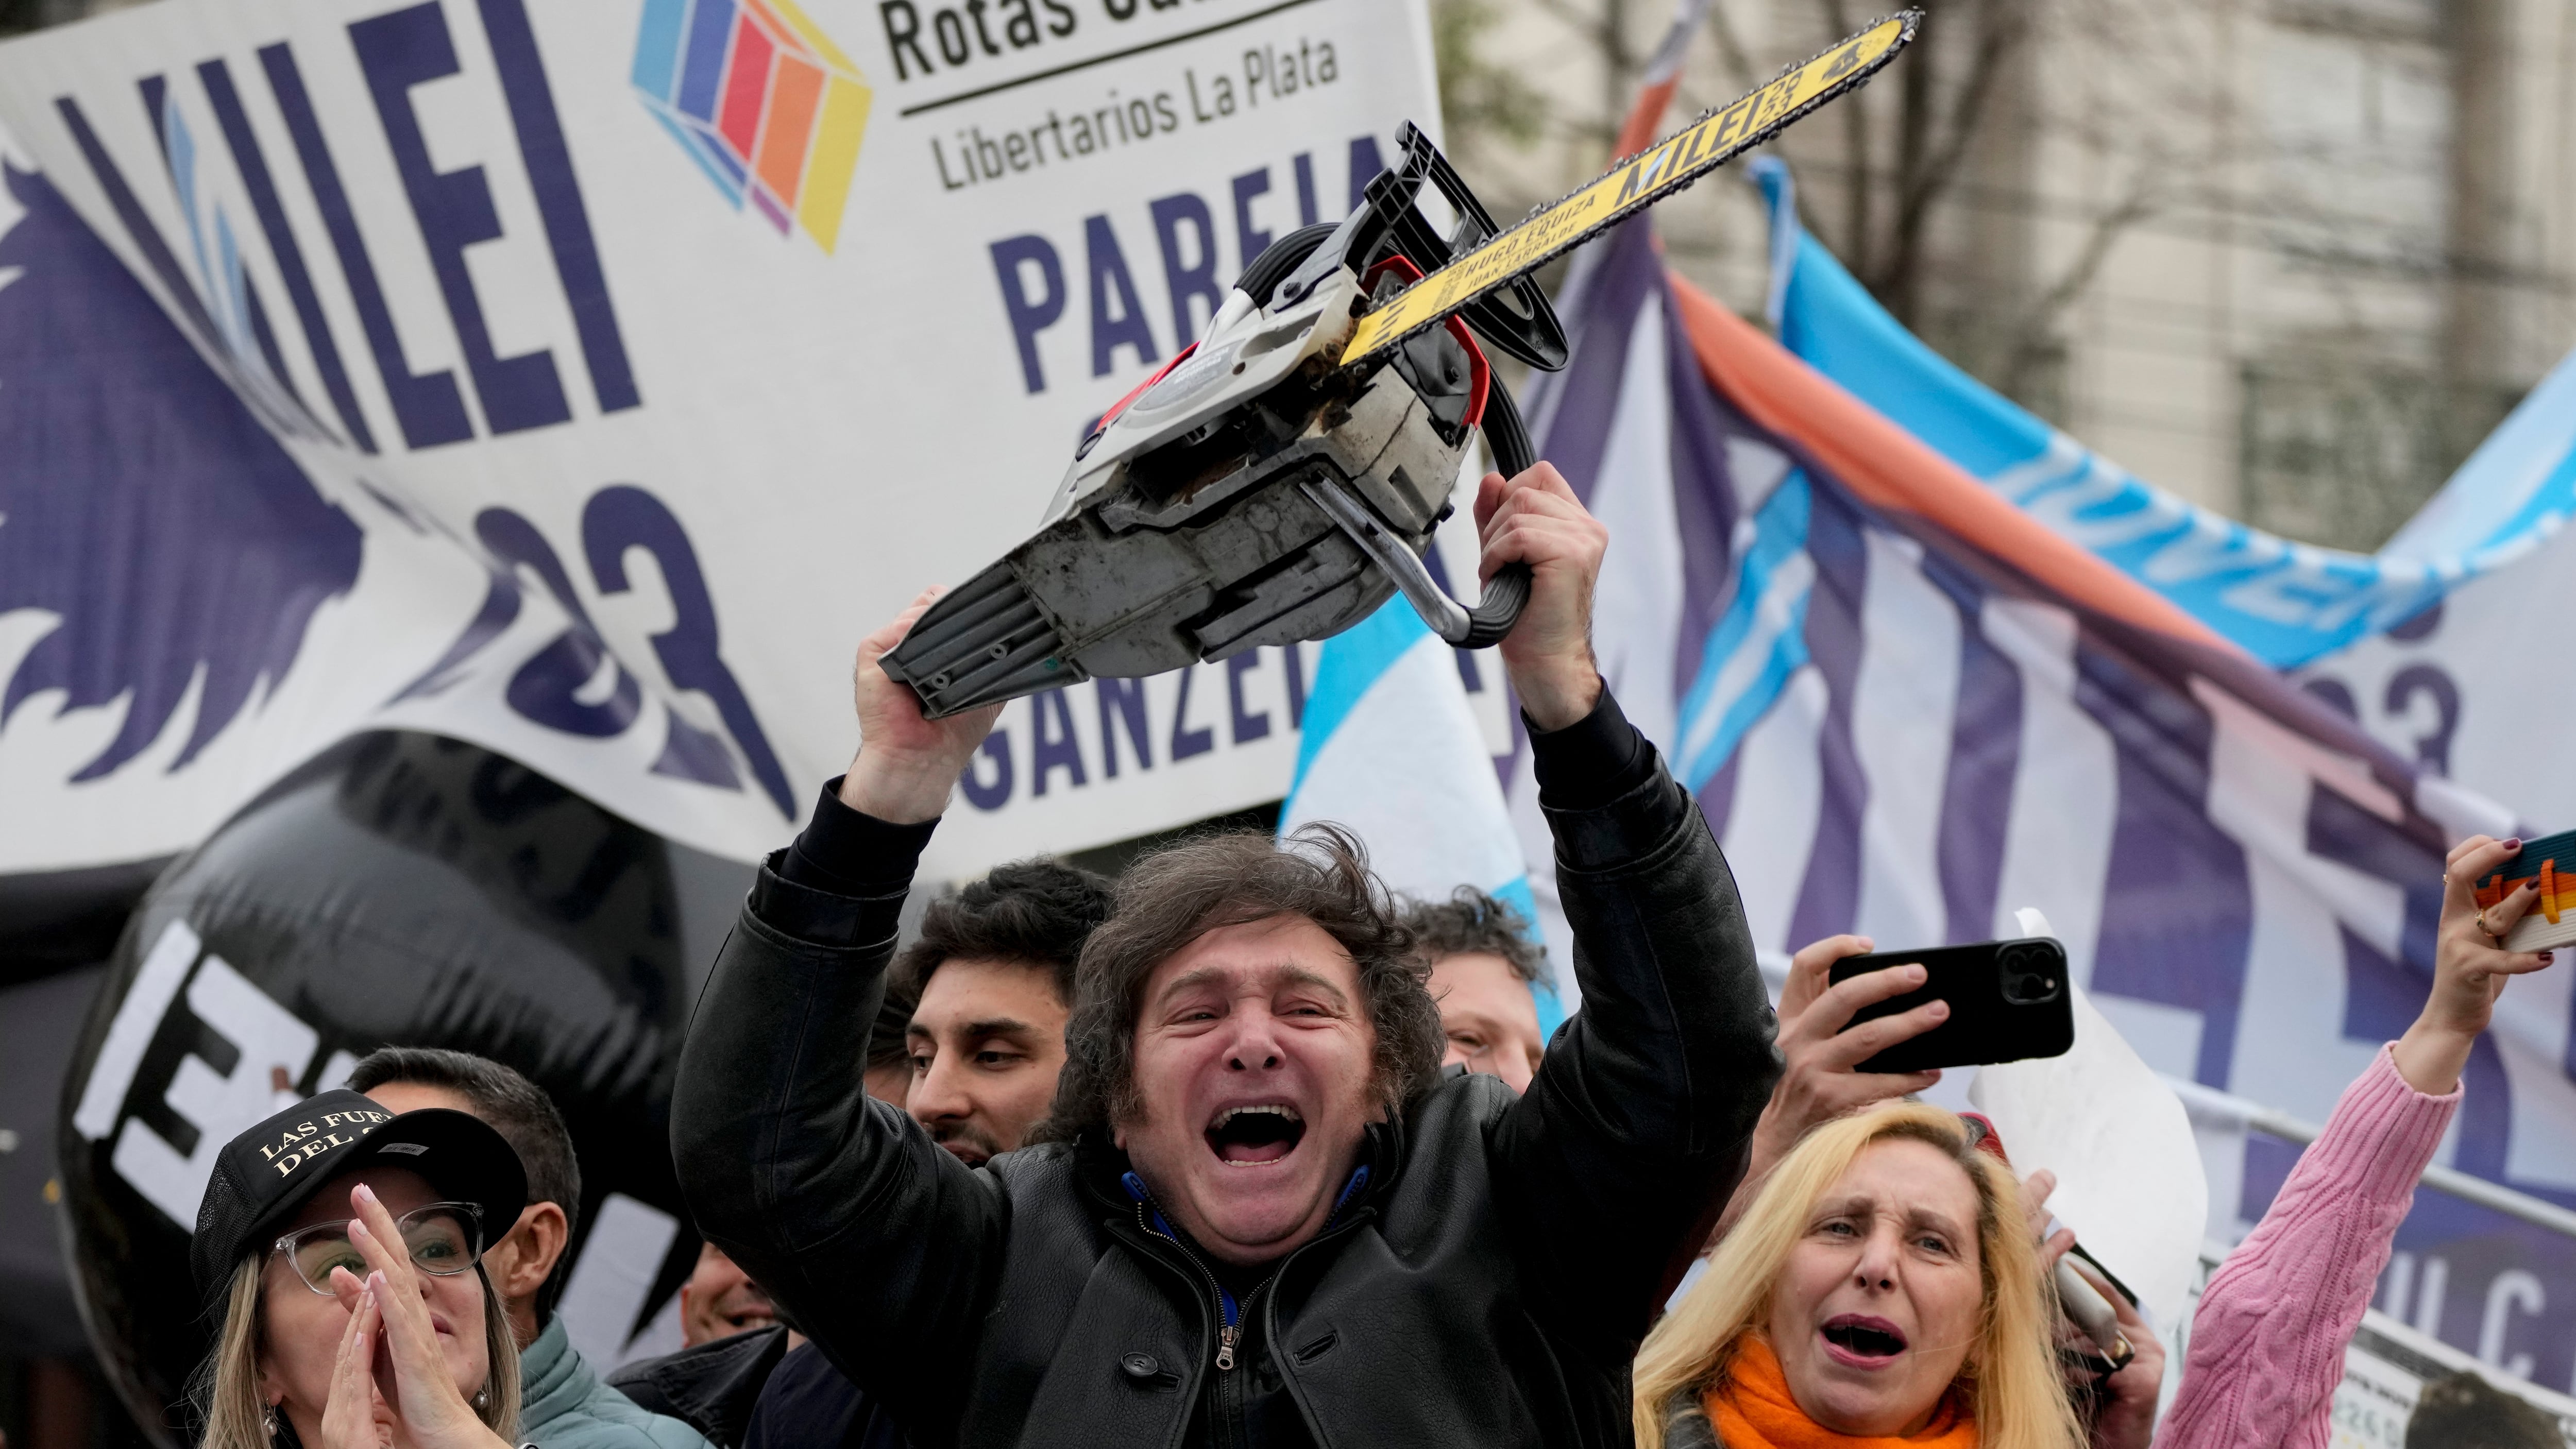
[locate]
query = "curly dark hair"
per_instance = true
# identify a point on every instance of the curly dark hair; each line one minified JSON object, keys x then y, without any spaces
{"x":886,"y":1044}
{"x":1472,"y":921}
{"x":1034,"y":911}
{"x":1176,"y":895}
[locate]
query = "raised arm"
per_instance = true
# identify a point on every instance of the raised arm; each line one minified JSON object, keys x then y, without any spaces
{"x":1820,"y":1078}
{"x":2268,"y":1341}
{"x":1637,"y":1122}
{"x":878,"y":1244}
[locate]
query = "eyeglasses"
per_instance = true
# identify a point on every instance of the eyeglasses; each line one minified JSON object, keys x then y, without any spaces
{"x":444,"y":1238}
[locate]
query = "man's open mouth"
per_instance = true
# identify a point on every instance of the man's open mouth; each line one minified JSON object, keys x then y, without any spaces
{"x":1863,"y":1341}
{"x":1251,"y":1136}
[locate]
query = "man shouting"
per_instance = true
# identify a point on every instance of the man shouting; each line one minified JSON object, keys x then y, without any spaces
{"x":1260,"y":1214}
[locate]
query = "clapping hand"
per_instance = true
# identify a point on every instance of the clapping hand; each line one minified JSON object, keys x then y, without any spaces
{"x":392,"y":1382}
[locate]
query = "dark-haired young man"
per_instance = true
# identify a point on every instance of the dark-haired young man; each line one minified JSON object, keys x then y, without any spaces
{"x":1483,"y":968}
{"x":563,"y":1404}
{"x":991,"y":980}
{"x":1259,"y":1213}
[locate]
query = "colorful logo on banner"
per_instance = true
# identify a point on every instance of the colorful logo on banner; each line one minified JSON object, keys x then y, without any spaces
{"x":770,"y":109}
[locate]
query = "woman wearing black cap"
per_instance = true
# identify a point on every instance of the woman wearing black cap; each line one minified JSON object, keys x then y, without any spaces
{"x":342,"y":1246}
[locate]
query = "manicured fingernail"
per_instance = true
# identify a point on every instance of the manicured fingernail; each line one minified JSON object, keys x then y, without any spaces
{"x":363,"y":1193}
{"x":357,"y":1228}
{"x":2514,"y":844}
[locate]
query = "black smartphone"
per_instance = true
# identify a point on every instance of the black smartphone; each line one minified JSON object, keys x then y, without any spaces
{"x":2008,"y":1002}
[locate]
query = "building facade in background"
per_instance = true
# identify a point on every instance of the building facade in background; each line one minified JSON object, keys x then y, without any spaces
{"x":2289,"y":258}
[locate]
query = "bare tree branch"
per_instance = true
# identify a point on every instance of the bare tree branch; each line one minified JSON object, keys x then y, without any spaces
{"x":1856,"y":188}
{"x":1913,"y":139}
{"x":1731,"y":53}
{"x":2034,"y":331}
{"x":1936,"y":139}
{"x":1606,"y":36}
{"x":2003,"y":29}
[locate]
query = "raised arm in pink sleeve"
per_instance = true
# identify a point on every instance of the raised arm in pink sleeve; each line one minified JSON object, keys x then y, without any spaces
{"x":2267,"y":1344}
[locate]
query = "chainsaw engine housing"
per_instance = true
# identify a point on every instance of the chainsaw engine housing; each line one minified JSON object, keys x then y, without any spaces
{"x":1256,"y":491}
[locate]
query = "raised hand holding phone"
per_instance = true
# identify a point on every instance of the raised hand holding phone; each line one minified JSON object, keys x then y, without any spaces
{"x":2008,"y":1001}
{"x":1818,"y":1080}
{"x":2470,"y":966}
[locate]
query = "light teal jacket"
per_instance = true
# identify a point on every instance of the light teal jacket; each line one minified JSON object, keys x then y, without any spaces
{"x":563,"y":1405}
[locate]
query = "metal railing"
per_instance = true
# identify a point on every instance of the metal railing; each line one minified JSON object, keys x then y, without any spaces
{"x":2212,"y":1105}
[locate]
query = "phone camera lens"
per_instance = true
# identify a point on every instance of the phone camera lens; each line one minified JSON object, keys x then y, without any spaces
{"x":2029,"y":983}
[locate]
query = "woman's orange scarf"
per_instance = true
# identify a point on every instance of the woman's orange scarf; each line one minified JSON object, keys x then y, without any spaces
{"x":1752,"y":1409}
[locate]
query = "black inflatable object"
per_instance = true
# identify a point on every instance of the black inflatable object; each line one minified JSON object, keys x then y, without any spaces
{"x":63,"y":920}
{"x":399,"y":888}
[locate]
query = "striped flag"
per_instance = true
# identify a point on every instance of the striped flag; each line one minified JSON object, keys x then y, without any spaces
{"x":1908,"y":707}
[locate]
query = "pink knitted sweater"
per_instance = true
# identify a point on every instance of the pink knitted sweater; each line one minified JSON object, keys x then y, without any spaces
{"x":2267,"y":1344}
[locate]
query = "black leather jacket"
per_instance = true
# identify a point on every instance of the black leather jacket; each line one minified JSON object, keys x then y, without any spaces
{"x":712,"y":1388}
{"x":1486,"y":1288}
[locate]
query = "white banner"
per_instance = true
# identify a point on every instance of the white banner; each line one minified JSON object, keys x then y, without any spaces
{"x":2460,"y":690}
{"x":594,"y":375}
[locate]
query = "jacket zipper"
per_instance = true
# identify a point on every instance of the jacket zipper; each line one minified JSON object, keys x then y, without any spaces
{"x":1230,"y":1331}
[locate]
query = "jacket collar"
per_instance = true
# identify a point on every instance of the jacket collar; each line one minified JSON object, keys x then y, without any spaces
{"x":552,"y":1375}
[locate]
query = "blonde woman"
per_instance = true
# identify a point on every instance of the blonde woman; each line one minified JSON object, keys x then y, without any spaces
{"x":342,"y":1245}
{"x":1883,"y":1288}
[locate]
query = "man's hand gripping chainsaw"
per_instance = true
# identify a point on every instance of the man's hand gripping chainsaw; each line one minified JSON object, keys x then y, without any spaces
{"x":1282,"y":476}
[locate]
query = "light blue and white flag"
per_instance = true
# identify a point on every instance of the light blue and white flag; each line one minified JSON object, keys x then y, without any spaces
{"x":2286,"y":603}
{"x":1392,"y":750}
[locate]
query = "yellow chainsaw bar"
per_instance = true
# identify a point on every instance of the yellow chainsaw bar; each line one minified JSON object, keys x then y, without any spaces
{"x":1634,"y":184}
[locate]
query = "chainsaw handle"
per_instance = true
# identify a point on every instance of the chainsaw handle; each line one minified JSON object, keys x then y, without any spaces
{"x":1508,"y":591}
{"x":1506,"y":594}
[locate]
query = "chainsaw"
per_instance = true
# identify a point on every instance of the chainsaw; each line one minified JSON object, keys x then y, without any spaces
{"x":1280,"y":478}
